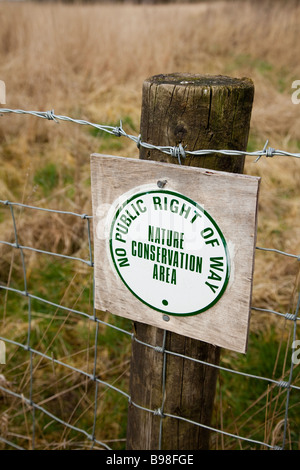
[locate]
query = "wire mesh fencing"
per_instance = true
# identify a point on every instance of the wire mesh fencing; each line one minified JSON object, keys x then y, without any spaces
{"x":65,"y":366}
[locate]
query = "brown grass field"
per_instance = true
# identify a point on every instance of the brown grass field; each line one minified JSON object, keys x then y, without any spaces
{"x":89,"y":62}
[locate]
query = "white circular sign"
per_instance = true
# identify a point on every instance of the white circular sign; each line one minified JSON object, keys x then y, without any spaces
{"x":169,"y":252}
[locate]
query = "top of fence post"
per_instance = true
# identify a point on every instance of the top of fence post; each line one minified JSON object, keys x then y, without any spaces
{"x":198,"y":112}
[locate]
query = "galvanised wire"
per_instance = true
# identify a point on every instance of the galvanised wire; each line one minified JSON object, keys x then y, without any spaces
{"x":290,"y":376}
{"x":175,"y":151}
{"x":159,"y":412}
{"x":179,"y":152}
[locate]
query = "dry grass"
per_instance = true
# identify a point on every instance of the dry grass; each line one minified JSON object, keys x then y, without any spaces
{"x":89,"y":62}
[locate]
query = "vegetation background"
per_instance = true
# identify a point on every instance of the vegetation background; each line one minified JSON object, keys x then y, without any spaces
{"x":88,"y":61}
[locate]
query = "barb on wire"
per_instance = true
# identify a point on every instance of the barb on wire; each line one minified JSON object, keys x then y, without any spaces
{"x":175,"y":151}
{"x":267,"y":151}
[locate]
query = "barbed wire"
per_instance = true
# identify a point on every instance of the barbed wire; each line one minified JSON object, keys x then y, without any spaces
{"x":177,"y":151}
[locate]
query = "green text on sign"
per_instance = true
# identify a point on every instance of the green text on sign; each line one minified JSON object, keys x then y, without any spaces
{"x":169,"y":252}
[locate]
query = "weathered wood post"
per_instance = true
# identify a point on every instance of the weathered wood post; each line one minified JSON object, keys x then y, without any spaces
{"x":200,"y":112}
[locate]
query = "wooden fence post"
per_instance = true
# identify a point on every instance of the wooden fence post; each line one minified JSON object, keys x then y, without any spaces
{"x":198,"y":111}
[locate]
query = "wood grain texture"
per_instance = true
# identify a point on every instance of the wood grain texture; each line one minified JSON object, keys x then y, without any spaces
{"x":189,"y":391}
{"x":231,"y":199}
{"x":200,"y":112}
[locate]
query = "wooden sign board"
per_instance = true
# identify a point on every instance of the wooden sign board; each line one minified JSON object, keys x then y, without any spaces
{"x":174,"y":247}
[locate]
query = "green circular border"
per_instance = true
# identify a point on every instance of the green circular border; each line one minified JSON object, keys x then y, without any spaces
{"x":173,"y":193}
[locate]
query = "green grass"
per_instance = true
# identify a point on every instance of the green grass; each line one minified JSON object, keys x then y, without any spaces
{"x":251,"y":407}
{"x":248,"y":405}
{"x":47,"y":178}
{"x":70,"y":338}
{"x":278,"y":76}
{"x":51,"y":176}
